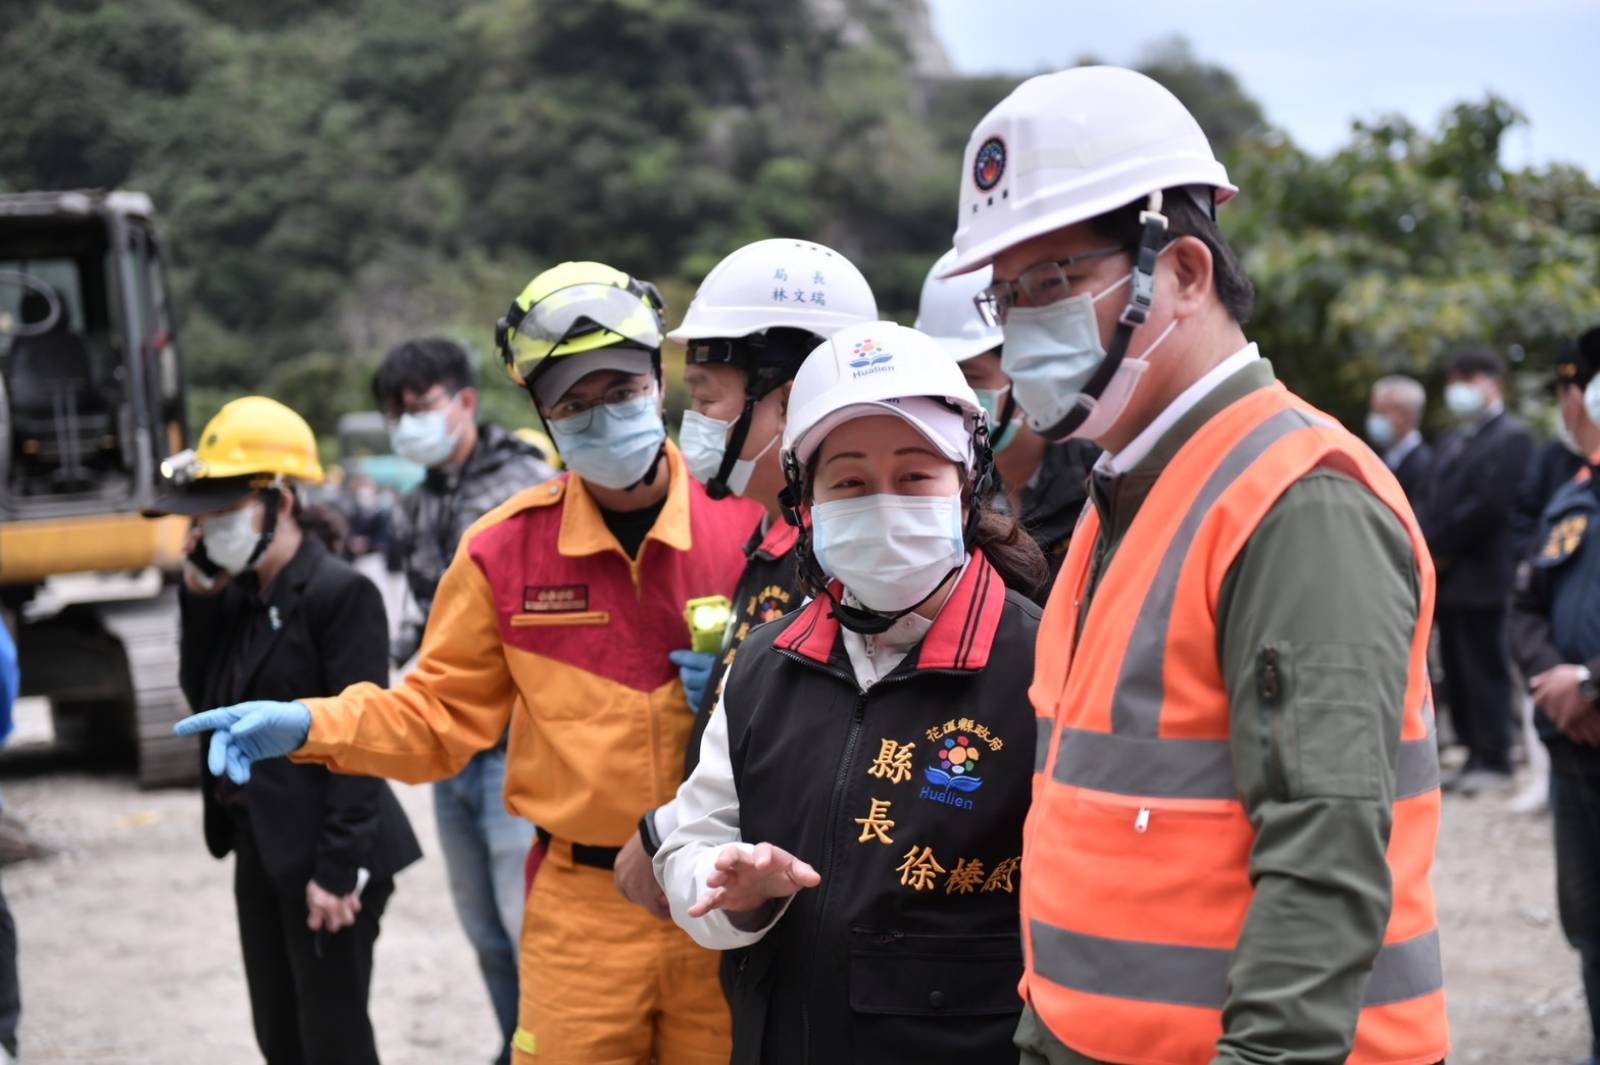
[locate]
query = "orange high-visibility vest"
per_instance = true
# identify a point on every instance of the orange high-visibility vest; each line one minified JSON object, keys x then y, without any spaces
{"x":1135,"y":866}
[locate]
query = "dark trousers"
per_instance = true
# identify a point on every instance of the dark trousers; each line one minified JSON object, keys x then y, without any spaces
{"x":1575,"y":806}
{"x":1477,"y":681}
{"x":308,"y":990}
{"x":10,"y":988}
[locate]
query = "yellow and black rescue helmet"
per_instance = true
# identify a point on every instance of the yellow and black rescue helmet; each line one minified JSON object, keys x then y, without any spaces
{"x":251,"y":443}
{"x":579,"y":308}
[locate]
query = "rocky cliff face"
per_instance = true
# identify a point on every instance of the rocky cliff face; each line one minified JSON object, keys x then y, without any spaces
{"x":907,"y":25}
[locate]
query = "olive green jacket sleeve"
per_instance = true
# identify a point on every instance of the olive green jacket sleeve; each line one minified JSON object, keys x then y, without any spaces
{"x":1314,"y":622}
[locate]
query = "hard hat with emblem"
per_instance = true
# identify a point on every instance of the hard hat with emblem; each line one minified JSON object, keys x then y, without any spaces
{"x":762,"y":310}
{"x":948,"y":311}
{"x":251,"y":443}
{"x":778,"y":284}
{"x":579,"y":309}
{"x":1070,"y":146}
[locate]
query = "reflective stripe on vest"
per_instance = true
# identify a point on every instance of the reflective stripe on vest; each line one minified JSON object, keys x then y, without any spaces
{"x":1198,"y":976}
{"x":1190,"y":769}
{"x":1111,"y":978}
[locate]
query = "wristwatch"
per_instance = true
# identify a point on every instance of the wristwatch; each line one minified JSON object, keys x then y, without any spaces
{"x":1588,"y":687}
{"x":647,"y":834}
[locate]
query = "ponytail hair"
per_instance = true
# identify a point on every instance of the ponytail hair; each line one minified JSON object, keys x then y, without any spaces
{"x":1009,"y":549}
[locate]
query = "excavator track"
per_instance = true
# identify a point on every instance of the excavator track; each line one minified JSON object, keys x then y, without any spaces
{"x":148,"y":631}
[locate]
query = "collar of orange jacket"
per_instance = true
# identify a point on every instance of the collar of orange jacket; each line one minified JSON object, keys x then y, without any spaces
{"x":583,"y":527}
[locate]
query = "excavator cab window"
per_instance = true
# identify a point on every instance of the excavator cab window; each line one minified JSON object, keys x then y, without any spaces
{"x":158,"y":351}
{"x":61,"y":363}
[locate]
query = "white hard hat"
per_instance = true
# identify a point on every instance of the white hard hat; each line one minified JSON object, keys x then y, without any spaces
{"x":778,"y":283}
{"x":1070,"y":146}
{"x":947,"y":311}
{"x":881,"y":367}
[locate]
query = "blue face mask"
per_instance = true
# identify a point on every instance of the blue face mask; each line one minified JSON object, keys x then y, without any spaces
{"x":1379,"y":430}
{"x":617,"y":447}
{"x":424,"y":438}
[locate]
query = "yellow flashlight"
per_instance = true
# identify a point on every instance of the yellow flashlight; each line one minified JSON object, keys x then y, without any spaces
{"x":707,"y":617}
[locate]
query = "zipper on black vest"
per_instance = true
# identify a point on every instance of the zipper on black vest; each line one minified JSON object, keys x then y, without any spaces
{"x":835,"y":800}
{"x":840,"y":781}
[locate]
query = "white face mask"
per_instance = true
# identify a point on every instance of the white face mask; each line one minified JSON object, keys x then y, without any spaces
{"x":889,"y":551}
{"x":1464,"y":399}
{"x":231,"y":538}
{"x":1051,"y":352}
{"x":1591,"y":401}
{"x":1564,"y":435}
{"x":425,"y":438}
{"x":704,"y":441}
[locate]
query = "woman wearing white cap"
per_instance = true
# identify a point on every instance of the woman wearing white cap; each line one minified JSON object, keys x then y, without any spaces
{"x":851,"y":834}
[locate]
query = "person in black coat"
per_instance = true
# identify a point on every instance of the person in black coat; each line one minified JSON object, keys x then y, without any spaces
{"x":1394,"y":422}
{"x":269,"y":613}
{"x":1478,"y":472}
{"x":1555,"y":635}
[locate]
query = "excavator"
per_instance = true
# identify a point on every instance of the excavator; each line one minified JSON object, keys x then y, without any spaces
{"x":91,"y":399}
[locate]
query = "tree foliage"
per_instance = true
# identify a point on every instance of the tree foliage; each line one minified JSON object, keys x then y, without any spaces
{"x":337,"y":175}
{"x":1404,"y":245}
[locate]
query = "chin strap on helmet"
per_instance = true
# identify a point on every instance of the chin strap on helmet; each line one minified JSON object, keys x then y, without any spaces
{"x":271,"y":496}
{"x":717,"y":487}
{"x":1141,"y":298}
{"x":1005,"y":422}
{"x":770,"y":361}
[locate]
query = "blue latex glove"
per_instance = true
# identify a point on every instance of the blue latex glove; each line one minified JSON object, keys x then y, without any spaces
{"x":694,"y":669}
{"x":248,"y":732}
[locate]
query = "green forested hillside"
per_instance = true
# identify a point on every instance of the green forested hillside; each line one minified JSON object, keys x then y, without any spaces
{"x":337,"y":174}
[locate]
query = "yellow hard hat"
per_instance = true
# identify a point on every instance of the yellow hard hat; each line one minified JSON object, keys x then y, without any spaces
{"x":573,"y":309}
{"x":257,"y":435}
{"x":251,"y":443}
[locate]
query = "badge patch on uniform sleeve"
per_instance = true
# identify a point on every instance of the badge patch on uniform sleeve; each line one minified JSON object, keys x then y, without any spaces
{"x":555,"y":598}
{"x":1564,"y":538}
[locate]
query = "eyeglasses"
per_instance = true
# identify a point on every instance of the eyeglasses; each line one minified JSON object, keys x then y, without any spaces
{"x":426,"y":405}
{"x":577,"y":415}
{"x":1037,"y":286}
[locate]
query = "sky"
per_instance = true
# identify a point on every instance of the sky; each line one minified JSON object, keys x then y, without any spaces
{"x":1315,"y":65}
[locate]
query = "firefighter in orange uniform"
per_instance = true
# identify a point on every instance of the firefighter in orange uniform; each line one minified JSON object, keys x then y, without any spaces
{"x":1237,"y":788}
{"x":558,"y":615}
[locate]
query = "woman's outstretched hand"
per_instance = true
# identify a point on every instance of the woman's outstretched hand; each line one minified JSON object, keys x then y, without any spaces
{"x":745,"y":880}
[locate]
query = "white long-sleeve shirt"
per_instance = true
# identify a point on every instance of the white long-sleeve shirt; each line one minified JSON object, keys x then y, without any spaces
{"x":703,"y":819}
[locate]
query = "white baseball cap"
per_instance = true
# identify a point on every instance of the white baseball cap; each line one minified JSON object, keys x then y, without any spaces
{"x":882,"y":368}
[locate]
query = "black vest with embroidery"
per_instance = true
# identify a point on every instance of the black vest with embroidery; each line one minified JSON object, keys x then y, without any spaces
{"x":909,"y":800}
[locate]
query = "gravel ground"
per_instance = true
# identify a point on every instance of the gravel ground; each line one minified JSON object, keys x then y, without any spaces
{"x":129,"y":951}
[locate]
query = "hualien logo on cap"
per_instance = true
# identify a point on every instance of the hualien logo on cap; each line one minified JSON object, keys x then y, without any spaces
{"x":867,"y":357}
